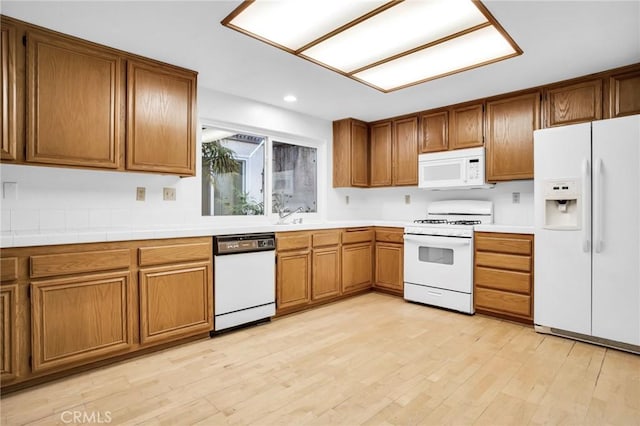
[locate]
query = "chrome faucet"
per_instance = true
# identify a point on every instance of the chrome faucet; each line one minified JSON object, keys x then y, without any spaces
{"x":285,"y":214}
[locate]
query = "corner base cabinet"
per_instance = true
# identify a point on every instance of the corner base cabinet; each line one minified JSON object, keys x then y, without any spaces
{"x":503,"y":275}
{"x":389,"y":260}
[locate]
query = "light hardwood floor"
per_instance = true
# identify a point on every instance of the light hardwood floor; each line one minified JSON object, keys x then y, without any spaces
{"x":373,"y":360}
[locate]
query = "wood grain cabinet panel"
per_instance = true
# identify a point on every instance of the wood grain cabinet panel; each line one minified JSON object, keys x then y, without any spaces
{"x":79,"y":320}
{"x":573,"y":103}
{"x":8,"y":117}
{"x":357,"y":267}
{"x":73,"y":102}
{"x":503,"y":275}
{"x":326,"y":238}
{"x":624,"y":94}
{"x":389,"y":266}
{"x":8,"y":332}
{"x":466,"y":126}
{"x":350,"y":153}
{"x":325,"y":281}
{"x":175,"y":302}
{"x":174,"y":253}
{"x":435,"y":131}
{"x":161,"y":119}
{"x":48,"y":265}
{"x":381,"y":154}
{"x":405,"y":151}
{"x":293,"y":279}
{"x":9,"y":268}
{"x":390,"y":235}
{"x":293,"y":241}
{"x":510,"y":123}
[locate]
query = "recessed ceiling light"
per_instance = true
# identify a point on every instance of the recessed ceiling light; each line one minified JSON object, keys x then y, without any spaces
{"x":387,"y":45}
{"x":290,"y":98}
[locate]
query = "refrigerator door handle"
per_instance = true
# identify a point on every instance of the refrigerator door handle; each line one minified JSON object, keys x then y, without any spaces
{"x":586,"y":193}
{"x":598,"y":206}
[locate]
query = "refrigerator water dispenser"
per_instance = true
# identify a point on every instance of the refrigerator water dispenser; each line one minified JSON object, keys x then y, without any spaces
{"x":562,"y":204}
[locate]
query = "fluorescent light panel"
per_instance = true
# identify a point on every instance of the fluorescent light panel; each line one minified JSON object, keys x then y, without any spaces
{"x":385,"y":44}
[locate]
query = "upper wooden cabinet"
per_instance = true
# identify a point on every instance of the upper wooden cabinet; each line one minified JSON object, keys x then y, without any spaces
{"x":350,"y":153}
{"x":465,"y":126}
{"x":624,"y":94}
{"x":73,"y":102}
{"x":510,"y":124}
{"x":435,"y":131}
{"x":405,"y":151}
{"x":8,"y":118}
{"x":77,"y":98}
{"x":381,"y":154}
{"x":573,"y":103}
{"x":161,"y":118}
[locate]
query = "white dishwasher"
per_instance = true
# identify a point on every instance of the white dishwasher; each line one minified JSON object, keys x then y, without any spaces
{"x":243,"y":280}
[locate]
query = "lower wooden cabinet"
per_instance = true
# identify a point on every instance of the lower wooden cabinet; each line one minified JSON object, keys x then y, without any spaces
{"x":293,"y":279}
{"x":503,"y":275}
{"x":389,"y":267}
{"x":79,"y":320}
{"x":174,"y":301}
{"x":8,"y":334}
{"x":68,"y":306}
{"x":325,"y":282}
{"x":357,"y":263}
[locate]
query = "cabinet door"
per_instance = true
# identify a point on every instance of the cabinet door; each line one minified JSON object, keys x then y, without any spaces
{"x":510,"y":126}
{"x":359,"y":154}
{"x":293,"y":279}
{"x":381,"y":154}
{"x":465,"y":126}
{"x":357,"y":267}
{"x":161,"y":120}
{"x":624,"y":94}
{"x":435,"y":132}
{"x":73,"y":102}
{"x":175,"y":302}
{"x":8,"y":345}
{"x":575,"y":103}
{"x":8,"y":118}
{"x":405,"y":151}
{"x":326,"y":273}
{"x":389,"y":266}
{"x":78,"y":320}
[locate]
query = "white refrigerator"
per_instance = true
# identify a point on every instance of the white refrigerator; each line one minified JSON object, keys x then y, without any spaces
{"x":587,"y":231}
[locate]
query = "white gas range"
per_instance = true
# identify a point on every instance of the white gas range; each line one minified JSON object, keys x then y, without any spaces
{"x":438,"y":254}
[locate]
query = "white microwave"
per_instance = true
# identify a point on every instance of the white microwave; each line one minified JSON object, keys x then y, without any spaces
{"x":457,"y":169}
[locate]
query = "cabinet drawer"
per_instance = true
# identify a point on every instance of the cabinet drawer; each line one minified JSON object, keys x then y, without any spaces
{"x":75,"y":263}
{"x":9,"y":269}
{"x":329,"y":238}
{"x":504,"y":261}
{"x":293,"y":241}
{"x":501,"y":301}
{"x":390,"y":235}
{"x":173,"y":254}
{"x":512,"y":244}
{"x":357,"y":235}
{"x":503,"y":280}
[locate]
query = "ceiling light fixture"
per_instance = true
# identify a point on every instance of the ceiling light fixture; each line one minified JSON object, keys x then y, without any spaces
{"x":290,"y":98}
{"x":388,"y":45}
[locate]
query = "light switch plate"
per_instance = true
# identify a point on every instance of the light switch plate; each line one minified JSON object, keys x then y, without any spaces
{"x":407,"y":199}
{"x":10,"y":190}
{"x":169,"y":194}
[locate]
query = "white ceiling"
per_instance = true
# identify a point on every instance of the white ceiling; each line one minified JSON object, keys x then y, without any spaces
{"x":560,"y":39}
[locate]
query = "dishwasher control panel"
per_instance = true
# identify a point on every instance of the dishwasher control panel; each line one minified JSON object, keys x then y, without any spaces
{"x":245,"y":243}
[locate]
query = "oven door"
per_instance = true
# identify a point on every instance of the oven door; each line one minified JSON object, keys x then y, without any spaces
{"x":442,"y":262}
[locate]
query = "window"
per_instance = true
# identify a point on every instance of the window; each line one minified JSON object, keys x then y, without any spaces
{"x":239,"y":167}
{"x":295,"y":176}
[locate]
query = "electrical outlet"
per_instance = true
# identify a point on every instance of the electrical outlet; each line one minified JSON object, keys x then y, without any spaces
{"x":407,"y":199}
{"x":141,"y":192}
{"x":346,"y":199}
{"x":515,"y":197}
{"x":169,"y":194}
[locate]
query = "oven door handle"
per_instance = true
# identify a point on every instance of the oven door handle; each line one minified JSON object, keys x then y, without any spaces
{"x":439,"y":241}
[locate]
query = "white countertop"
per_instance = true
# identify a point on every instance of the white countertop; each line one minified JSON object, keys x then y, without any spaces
{"x":53,"y":237}
{"x":509,"y":229}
